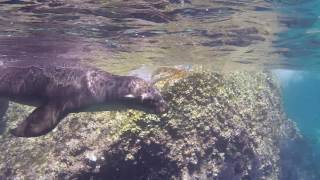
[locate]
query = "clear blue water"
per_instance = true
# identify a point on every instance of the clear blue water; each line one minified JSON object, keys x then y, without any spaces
{"x":301,"y":84}
{"x":302,"y":18}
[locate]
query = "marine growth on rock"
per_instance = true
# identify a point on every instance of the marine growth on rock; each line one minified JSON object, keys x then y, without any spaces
{"x":219,"y":126}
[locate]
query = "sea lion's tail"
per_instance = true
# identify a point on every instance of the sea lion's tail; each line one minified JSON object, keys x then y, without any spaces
{"x":3,"y":109}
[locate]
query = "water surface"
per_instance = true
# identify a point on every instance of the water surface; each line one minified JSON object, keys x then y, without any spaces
{"x":120,"y":36}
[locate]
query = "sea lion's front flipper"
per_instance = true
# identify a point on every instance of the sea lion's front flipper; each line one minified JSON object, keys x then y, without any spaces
{"x":41,"y":121}
{"x":4,"y":104}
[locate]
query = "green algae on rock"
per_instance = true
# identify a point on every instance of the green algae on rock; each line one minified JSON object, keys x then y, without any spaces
{"x":218,"y":127}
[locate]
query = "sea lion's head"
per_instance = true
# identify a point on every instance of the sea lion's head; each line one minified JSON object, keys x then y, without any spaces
{"x":141,"y":92}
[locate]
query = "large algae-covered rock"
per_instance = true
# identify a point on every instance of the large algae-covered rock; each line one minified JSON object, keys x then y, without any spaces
{"x":217,"y":127}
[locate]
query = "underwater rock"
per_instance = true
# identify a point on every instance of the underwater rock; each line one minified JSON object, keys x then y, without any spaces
{"x":219,"y":126}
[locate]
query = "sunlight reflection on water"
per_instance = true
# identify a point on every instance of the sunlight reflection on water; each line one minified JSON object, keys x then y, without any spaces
{"x":220,"y":35}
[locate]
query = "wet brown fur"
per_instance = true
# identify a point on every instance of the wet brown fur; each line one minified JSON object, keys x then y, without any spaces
{"x":57,"y":90}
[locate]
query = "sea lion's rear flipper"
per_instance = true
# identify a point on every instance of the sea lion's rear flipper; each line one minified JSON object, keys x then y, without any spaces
{"x":4,"y":104}
{"x":41,"y":121}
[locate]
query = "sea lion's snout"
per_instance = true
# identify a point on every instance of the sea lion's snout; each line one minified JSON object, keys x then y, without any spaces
{"x":153,"y":98}
{"x":144,"y":94}
{"x":161,"y":107}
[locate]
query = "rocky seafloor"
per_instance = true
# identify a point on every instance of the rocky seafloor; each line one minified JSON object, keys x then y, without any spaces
{"x":219,"y":126}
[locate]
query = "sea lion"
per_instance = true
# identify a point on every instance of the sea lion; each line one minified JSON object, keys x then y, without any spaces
{"x":57,"y":90}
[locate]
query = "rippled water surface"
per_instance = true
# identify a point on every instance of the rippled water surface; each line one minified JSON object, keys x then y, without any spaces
{"x":120,"y":36}
{"x":301,"y":39}
{"x":137,"y":37}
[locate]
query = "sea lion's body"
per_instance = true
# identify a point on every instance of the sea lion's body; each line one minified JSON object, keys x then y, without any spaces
{"x":57,"y":90}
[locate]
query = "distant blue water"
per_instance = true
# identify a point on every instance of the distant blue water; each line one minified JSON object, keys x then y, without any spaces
{"x":301,"y":85}
{"x":301,"y":81}
{"x":302,"y":18}
{"x":301,"y":97}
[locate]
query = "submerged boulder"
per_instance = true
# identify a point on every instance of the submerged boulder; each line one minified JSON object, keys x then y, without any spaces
{"x":219,"y":126}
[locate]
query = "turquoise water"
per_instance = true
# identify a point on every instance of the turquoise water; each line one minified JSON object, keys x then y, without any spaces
{"x":302,"y":37}
{"x":301,"y":99}
{"x":301,"y":83}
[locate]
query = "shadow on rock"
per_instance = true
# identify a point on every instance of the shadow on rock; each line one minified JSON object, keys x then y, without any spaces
{"x":148,"y":162}
{"x":4,"y":104}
